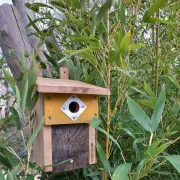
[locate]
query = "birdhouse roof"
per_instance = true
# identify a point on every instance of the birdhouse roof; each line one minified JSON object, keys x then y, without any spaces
{"x":47,"y":85}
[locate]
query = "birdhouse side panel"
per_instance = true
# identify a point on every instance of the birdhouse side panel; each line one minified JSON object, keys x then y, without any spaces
{"x":42,"y":146}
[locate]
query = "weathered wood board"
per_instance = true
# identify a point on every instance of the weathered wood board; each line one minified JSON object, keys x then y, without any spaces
{"x":70,"y":142}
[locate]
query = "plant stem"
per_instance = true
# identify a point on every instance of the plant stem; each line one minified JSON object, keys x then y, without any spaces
{"x":157,"y":54}
{"x":150,"y":140}
{"x":108,"y":98}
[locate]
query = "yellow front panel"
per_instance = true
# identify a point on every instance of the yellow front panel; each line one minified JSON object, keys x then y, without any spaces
{"x":54,"y":115}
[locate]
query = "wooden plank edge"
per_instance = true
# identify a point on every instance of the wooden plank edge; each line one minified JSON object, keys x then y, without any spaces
{"x":92,"y":145}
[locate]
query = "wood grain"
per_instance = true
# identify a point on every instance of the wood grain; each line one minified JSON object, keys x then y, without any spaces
{"x":92,"y":145}
{"x":42,"y":146}
{"x":46,"y":85}
{"x":70,"y":142}
{"x":55,"y":115}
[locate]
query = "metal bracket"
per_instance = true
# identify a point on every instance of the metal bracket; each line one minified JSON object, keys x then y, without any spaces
{"x":73,"y":107}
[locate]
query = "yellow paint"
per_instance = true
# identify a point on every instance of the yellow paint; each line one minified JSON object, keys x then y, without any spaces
{"x":54,"y":115}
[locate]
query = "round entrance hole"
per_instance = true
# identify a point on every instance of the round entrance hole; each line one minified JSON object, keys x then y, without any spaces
{"x":74,"y":107}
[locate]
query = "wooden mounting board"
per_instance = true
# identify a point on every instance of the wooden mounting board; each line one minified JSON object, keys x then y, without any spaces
{"x":54,"y":115}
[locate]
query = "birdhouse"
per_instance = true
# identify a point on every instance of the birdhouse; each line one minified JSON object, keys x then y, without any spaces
{"x":66,"y":141}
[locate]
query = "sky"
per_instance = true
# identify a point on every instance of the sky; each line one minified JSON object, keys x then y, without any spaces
{"x":5,"y":1}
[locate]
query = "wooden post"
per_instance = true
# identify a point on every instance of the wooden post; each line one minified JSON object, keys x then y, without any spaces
{"x":14,"y":40}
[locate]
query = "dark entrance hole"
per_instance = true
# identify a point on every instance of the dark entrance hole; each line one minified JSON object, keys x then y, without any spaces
{"x":74,"y":107}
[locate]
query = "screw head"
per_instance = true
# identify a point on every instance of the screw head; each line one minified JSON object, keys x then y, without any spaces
{"x":48,"y":97}
{"x":49,"y":118}
{"x":82,"y":106}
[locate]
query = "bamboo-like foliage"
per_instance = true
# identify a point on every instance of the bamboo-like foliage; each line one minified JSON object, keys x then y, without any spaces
{"x":123,"y":46}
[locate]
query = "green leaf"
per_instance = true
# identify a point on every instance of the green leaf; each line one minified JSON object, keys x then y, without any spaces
{"x":75,"y":52}
{"x":154,"y":8}
{"x":23,"y":62}
{"x":2,"y":176}
{"x":18,"y":97}
{"x":109,"y":136}
{"x":9,"y":79}
{"x":122,"y":13}
{"x":102,"y":157}
{"x":153,"y":151}
{"x":16,"y":117}
{"x":32,"y":77}
{"x":139,"y":115}
{"x":121,"y":172}
{"x":119,"y":36}
{"x":125,"y":42}
{"x":173,"y":79}
{"x":157,"y":20}
{"x":149,"y":91}
{"x":52,"y":61}
{"x":24,"y":94}
{"x":113,"y":55}
{"x":102,"y":12}
{"x":158,"y":109}
{"x":176,"y":107}
{"x":175,"y":161}
{"x":10,"y":176}
{"x":128,"y":132}
{"x":95,"y":122}
{"x":95,"y":173}
{"x":137,"y":46}
{"x":35,"y":133}
{"x":34,"y":25}
{"x":92,"y":59}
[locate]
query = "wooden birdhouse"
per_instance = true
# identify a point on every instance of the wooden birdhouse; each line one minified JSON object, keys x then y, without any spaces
{"x":67,"y":106}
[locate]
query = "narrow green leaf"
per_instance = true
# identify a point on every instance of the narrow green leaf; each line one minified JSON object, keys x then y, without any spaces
{"x":35,"y":133}
{"x":109,"y":136}
{"x":157,"y":20}
{"x":149,"y":91}
{"x":10,"y":176}
{"x":102,"y":12}
{"x":137,"y":46}
{"x":175,"y":161}
{"x":92,"y":59}
{"x":154,"y":8}
{"x":113,"y":55}
{"x":121,"y":172}
{"x":23,"y":62}
{"x":102,"y":157}
{"x":95,"y":173}
{"x":128,"y":132}
{"x":173,"y":79}
{"x":24,"y":93}
{"x":176,"y":107}
{"x":122,"y":13}
{"x":34,"y":25}
{"x":16,"y":118}
{"x":158,"y":109}
{"x":125,"y":42}
{"x":75,"y":52}
{"x":139,"y":115}
{"x":2,"y":176}
{"x":9,"y":79}
{"x":95,"y":122}
{"x":18,"y":97}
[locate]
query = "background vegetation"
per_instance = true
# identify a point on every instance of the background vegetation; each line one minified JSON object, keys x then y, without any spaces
{"x":131,"y":47}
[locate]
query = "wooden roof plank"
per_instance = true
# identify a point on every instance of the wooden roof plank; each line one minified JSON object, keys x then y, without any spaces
{"x":47,"y":85}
